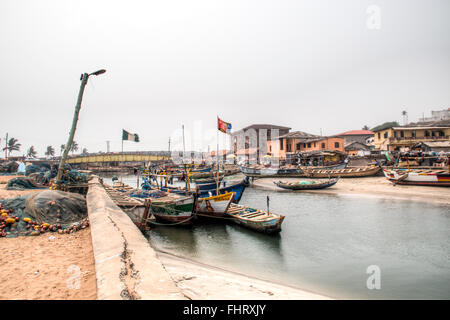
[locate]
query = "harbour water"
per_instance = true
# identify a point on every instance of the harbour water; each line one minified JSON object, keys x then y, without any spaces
{"x":327,"y":244}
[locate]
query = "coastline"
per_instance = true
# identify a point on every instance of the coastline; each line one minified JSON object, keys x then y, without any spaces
{"x":378,"y":187}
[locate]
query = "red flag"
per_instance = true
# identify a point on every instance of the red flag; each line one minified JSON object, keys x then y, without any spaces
{"x":223,"y":126}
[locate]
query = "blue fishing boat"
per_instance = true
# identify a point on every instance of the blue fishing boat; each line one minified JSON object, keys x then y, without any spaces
{"x":208,"y":185}
{"x":237,"y":188}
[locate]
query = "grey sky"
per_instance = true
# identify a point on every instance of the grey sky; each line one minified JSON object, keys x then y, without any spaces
{"x":304,"y":64}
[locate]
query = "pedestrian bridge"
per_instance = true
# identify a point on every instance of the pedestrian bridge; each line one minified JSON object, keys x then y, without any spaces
{"x":120,"y":157}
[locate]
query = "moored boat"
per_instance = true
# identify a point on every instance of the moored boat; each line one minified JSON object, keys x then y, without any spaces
{"x":350,"y":172}
{"x":258,"y":220}
{"x":215,"y":206}
{"x":237,"y":188}
{"x":306,"y":185}
{"x":282,"y":171}
{"x":439,"y":178}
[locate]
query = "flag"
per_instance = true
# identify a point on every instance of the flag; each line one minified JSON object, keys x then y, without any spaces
{"x":129,"y":136}
{"x":223,"y":126}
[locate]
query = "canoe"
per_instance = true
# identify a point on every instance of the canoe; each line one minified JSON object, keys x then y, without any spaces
{"x":351,"y":172}
{"x":208,"y":185}
{"x":258,"y":220}
{"x":438,"y":178}
{"x":179,"y":211}
{"x":206,"y":180}
{"x":284,"y":171}
{"x":215,"y":206}
{"x":306,"y":185}
{"x":237,"y":188}
{"x":201,"y":170}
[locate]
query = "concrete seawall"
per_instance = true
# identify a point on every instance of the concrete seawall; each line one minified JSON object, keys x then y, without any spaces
{"x":126,"y":266}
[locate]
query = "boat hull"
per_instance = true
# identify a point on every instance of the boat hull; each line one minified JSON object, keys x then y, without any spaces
{"x":297,"y":187}
{"x":257,"y":220}
{"x":342,"y":173}
{"x":214,"y":207}
{"x":403,"y":177}
{"x":238,"y":189}
{"x":283,"y":172}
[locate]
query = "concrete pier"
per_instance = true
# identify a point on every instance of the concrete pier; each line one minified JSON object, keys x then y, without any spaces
{"x":126,"y":266}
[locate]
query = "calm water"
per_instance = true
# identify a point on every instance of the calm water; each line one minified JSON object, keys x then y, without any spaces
{"x":327,"y":243}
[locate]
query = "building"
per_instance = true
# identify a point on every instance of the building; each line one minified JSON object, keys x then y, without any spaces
{"x":400,"y":138}
{"x":361,"y":136}
{"x":357,"y":148}
{"x":267,"y":132}
{"x":433,"y":146}
{"x":438,"y":115}
{"x":292,"y":143}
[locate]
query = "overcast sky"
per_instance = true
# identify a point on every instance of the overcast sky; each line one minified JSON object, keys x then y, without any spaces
{"x":303,"y":64}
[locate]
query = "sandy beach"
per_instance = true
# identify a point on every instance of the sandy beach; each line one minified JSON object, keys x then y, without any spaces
{"x":44,"y":267}
{"x":369,"y":187}
{"x":12,"y":193}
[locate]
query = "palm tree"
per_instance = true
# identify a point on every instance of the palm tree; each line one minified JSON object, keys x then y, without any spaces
{"x":31,"y":153}
{"x":85,"y":151}
{"x":62,"y":147}
{"x":13,"y":145}
{"x":74,"y":147}
{"x":50,"y":151}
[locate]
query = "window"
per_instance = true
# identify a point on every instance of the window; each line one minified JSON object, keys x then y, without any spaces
{"x":402,"y":134}
{"x":441,"y":134}
{"x":379,"y":135}
{"x":385,"y":135}
{"x":413,"y":133}
{"x":336,"y":144}
{"x":427,"y":133}
{"x":314,"y":144}
{"x":298,"y":146}
{"x":304,"y":145}
{"x":323,"y":145}
{"x":395,"y":134}
{"x":281,"y":144}
{"x":433,"y":134}
{"x":309,"y":145}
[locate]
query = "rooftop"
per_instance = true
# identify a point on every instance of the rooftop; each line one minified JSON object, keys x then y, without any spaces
{"x":303,"y":136}
{"x":266,"y":126}
{"x":356,"y":132}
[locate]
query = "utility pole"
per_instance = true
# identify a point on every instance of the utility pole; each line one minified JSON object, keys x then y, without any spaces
{"x":84,"y":80}
{"x":107,"y":146}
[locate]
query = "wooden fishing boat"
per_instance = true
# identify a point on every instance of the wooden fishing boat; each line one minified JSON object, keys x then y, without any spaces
{"x":237,"y":189}
{"x":306,"y":185}
{"x":350,"y":172}
{"x":258,"y":220}
{"x":439,"y":178}
{"x":283,"y":171}
{"x":197,"y":170}
{"x":206,"y":180}
{"x":208,"y":185}
{"x":165,"y":206}
{"x":215,"y":206}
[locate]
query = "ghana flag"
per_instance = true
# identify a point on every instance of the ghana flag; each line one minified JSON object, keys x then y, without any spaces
{"x":129,"y":136}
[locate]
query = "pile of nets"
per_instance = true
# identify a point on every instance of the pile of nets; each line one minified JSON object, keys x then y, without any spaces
{"x":9,"y":167}
{"x":21,"y":183}
{"x":144,"y":194}
{"x":41,"y":212}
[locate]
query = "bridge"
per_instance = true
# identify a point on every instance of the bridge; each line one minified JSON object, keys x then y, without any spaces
{"x":115,"y":157}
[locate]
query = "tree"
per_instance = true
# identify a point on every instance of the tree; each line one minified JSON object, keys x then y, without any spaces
{"x":62,"y":147}
{"x":85,"y":151}
{"x":74,"y":147}
{"x":13,"y":145}
{"x":50,"y":151}
{"x":31,"y":153}
{"x":365,"y":127}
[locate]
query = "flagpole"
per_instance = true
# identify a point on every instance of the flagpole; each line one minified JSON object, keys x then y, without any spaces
{"x":217,"y":156}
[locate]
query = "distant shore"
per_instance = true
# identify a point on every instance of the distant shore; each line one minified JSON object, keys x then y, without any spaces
{"x":378,"y":187}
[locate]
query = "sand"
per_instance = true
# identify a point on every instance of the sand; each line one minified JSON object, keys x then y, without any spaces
{"x":41,"y":268}
{"x":200,"y":281}
{"x":378,"y":187}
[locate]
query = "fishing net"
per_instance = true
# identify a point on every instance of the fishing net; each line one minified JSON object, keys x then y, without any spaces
{"x":31,"y":169}
{"x":143,"y":194}
{"x":54,"y":206}
{"x":9,"y":167}
{"x":21,"y":183}
{"x":61,"y":210}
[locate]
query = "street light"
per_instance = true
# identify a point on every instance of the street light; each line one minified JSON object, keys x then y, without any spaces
{"x":84,"y":79}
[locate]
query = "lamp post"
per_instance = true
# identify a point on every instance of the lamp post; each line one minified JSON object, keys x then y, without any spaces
{"x":84,"y":79}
